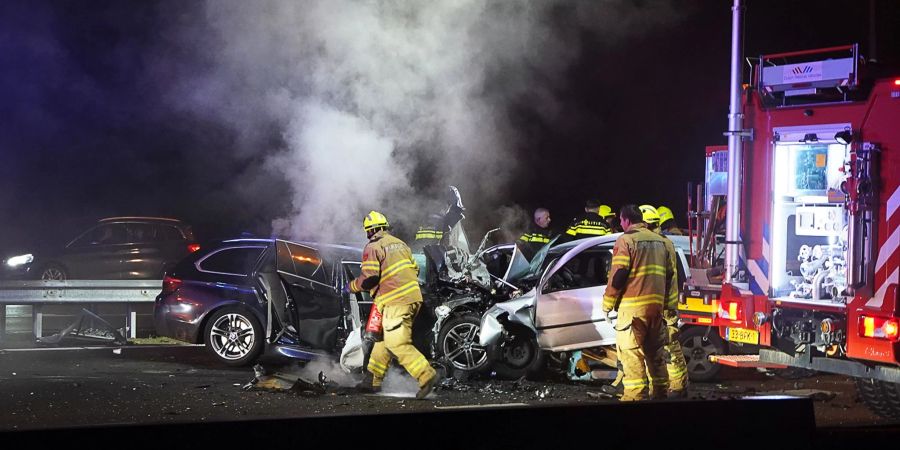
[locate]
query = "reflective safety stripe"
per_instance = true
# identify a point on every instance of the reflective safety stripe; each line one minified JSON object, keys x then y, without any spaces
{"x":397,"y":293}
{"x":429,"y":234}
{"x":659,"y":381}
{"x":676,"y":372}
{"x":396,"y":267}
{"x":642,"y":300}
{"x":634,"y":382}
{"x":418,"y":366}
{"x":534,"y":238}
{"x":622,"y":260}
{"x":370,"y":265}
{"x":353,"y":287}
{"x":648,"y":270}
{"x":376,"y":368}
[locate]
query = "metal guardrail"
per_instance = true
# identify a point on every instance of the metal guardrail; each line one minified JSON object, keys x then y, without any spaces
{"x":76,"y":292}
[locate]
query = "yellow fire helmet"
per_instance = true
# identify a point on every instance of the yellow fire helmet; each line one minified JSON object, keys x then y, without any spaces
{"x":374,"y":220}
{"x":605,"y":211}
{"x":651,"y":216}
{"x":665,"y":214}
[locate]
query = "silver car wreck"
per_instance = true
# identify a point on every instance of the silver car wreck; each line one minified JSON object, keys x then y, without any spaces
{"x":562,"y":313}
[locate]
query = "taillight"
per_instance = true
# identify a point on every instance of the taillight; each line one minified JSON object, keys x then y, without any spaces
{"x":879,"y":327}
{"x":170,"y":285}
{"x":731,"y":310}
{"x":193,"y":248}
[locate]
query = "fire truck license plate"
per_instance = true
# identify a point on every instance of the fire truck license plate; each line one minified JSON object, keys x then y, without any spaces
{"x":743,"y":335}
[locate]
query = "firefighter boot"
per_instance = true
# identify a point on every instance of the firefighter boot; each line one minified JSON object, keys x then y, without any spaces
{"x":676,"y":365}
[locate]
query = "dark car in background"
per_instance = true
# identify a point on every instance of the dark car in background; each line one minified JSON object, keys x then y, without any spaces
{"x":114,"y":248}
{"x":242,"y":297}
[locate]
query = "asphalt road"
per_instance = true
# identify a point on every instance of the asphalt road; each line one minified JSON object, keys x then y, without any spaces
{"x":51,"y":388}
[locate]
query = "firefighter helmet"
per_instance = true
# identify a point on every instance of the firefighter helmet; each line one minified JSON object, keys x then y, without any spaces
{"x":605,"y":211}
{"x":651,"y":216}
{"x":375,"y":220}
{"x":665,"y":214}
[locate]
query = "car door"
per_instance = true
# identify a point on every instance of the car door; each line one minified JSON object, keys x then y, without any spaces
{"x":569,"y":303}
{"x":97,"y":254}
{"x":315,"y":308}
{"x":144,"y":255}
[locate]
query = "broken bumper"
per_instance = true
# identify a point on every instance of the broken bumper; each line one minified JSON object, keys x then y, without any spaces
{"x":491,"y":328}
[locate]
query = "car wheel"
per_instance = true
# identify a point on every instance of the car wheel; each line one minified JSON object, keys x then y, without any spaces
{"x":459,"y":348}
{"x":517,"y":357}
{"x":882,"y":397}
{"x":698,"y":343}
{"x":53,"y":272}
{"x":234,"y":336}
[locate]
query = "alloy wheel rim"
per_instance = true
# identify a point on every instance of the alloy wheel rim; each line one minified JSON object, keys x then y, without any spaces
{"x":232,"y":336}
{"x":461,"y":347}
{"x":697,"y":351}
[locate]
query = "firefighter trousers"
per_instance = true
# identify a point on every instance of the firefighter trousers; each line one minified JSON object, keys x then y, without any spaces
{"x":397,"y":343}
{"x":676,"y":364}
{"x":640,"y":340}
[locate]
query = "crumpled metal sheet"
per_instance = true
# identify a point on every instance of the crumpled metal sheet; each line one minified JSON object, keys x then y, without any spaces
{"x":87,"y":329}
{"x":283,"y":382}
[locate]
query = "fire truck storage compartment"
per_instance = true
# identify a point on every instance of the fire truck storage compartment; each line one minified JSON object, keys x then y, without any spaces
{"x":809,"y":220}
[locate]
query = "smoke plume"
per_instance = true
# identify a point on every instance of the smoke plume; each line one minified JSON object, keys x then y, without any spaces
{"x":383,"y":104}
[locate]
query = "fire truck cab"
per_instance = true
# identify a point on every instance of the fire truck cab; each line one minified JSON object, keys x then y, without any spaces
{"x":816,"y":283}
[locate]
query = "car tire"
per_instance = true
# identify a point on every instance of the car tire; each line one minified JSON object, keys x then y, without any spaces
{"x":458,"y":347}
{"x":233,"y":336}
{"x":882,"y":397}
{"x":698,"y":343}
{"x":518,"y":357}
{"x":53,"y":272}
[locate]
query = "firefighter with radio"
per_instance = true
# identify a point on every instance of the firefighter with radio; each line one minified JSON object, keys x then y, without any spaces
{"x":675,"y":361}
{"x":667,"y":222}
{"x":390,"y":273}
{"x":589,"y":224}
{"x":537,"y":235}
{"x":640,"y":282}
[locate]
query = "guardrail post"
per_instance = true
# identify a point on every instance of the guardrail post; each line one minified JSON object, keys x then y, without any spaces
{"x":130,"y":321}
{"x":2,"y":322}
{"x":37,"y":315}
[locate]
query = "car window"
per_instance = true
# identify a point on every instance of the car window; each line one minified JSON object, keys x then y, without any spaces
{"x":106,"y":234}
{"x":301,"y":261}
{"x":143,"y":233}
{"x":238,"y":261}
{"x":587,"y":269}
{"x":168,"y":233}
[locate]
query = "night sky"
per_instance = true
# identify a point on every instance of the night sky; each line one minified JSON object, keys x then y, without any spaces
{"x":87,"y":128}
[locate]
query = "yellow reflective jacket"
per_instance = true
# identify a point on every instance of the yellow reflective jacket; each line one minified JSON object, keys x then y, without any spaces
{"x":643,"y":276}
{"x":389,"y":272}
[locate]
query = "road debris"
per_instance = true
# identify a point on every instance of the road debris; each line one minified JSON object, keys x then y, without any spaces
{"x":84,"y":330}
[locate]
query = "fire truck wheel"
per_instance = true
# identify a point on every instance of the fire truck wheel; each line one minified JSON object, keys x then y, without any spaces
{"x":881,"y":397}
{"x":697,"y":346}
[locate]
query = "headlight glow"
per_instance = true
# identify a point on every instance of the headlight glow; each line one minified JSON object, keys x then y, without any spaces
{"x":17,"y":261}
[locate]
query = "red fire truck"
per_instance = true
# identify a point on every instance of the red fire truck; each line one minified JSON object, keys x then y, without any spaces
{"x":814,"y":197}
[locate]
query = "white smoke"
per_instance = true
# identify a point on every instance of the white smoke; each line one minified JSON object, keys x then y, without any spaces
{"x":383,"y":104}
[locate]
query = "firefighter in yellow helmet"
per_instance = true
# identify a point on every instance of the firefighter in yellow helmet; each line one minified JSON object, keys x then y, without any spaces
{"x":675,"y":361}
{"x":641,"y":279}
{"x":390,"y":274}
{"x":667,"y":222}
{"x":607,"y":213}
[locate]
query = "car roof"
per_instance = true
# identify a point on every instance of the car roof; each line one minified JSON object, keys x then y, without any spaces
{"x":138,"y":219}
{"x":346,"y":252}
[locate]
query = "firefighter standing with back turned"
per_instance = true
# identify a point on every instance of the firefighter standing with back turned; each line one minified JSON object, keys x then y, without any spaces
{"x":676,"y":365}
{"x":642,"y":278}
{"x":391,"y":275}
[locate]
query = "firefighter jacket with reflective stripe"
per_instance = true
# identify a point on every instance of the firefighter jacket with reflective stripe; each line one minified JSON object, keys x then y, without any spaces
{"x":389,"y":272}
{"x":587,"y":226}
{"x":642,"y":276}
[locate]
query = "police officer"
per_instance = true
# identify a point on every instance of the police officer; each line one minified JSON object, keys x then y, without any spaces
{"x":390,"y":273}
{"x":641,"y":279}
{"x":538,"y":233}
{"x":589,"y":224}
{"x":430,"y":233}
